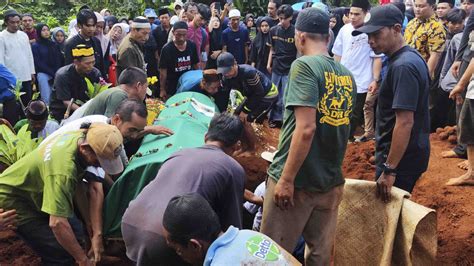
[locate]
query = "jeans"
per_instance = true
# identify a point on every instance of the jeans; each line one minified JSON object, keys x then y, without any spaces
{"x":276,"y":114}
{"x":44,"y":86}
{"x":38,"y":235}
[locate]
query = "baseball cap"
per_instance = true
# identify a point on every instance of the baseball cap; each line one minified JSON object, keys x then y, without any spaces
{"x":381,"y":16}
{"x":313,"y":20}
{"x":234,"y":13}
{"x":106,"y":141}
{"x":225,"y":62}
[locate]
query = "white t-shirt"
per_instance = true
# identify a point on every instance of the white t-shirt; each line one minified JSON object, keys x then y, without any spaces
{"x":356,"y":55}
{"x":76,"y":125}
{"x":16,"y":54}
{"x":255,"y":209}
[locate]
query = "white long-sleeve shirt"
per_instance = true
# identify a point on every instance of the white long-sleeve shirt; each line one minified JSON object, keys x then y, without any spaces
{"x":16,"y":55}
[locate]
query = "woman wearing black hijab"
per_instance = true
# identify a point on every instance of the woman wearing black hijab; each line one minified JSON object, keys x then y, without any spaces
{"x":48,"y":59}
{"x":260,"y":49}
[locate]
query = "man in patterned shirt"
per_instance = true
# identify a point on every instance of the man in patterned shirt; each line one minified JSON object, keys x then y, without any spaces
{"x":426,"y":34}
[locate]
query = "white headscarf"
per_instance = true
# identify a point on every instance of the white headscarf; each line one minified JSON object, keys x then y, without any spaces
{"x":72,"y":29}
{"x":114,"y":44}
{"x":104,"y":41}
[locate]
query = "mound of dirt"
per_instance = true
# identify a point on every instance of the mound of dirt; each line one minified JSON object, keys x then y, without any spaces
{"x":453,"y":205}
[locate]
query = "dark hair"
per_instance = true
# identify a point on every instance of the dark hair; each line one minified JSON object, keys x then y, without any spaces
{"x":204,"y":11}
{"x":285,"y":10}
{"x":431,"y":2}
{"x":131,"y":75}
{"x":37,"y":110}
{"x":225,"y":128}
{"x":187,"y":5}
{"x":456,"y":15}
{"x":317,"y":36}
{"x":27,"y":15}
{"x":277,"y":3}
{"x":191,"y":216}
{"x":84,"y":15}
{"x":401,"y":6}
{"x":128,"y":107}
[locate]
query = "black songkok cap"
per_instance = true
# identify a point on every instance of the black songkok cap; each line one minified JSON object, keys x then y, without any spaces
{"x":180,"y":25}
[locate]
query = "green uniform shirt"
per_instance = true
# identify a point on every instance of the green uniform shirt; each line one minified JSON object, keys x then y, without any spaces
{"x":321,"y":83}
{"x":43,"y":182}
{"x":106,"y":102}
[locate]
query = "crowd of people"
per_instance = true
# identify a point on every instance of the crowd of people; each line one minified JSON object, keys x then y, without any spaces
{"x":394,"y":73}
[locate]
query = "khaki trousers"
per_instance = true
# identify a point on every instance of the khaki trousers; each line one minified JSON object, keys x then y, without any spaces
{"x":369,"y":114}
{"x":314,"y":216}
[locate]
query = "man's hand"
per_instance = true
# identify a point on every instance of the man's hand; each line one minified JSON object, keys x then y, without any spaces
{"x":158,"y":130}
{"x":455,"y":68}
{"x":373,"y":86}
{"x":163,"y":95}
{"x":215,"y":54}
{"x":384,"y":187}
{"x":455,"y":94}
{"x":85,"y":262}
{"x":269,"y":69}
{"x":7,"y":218}
{"x":283,"y":194}
{"x":97,"y":248}
{"x":33,"y":79}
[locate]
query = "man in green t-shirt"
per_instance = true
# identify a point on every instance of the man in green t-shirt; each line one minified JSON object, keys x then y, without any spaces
{"x":306,"y":183}
{"x":133,"y":85}
{"x":41,"y":187}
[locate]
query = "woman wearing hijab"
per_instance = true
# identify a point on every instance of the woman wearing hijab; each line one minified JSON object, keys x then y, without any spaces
{"x":260,"y":49}
{"x":48,"y":59}
{"x":58,"y":35}
{"x":250,"y":23}
{"x":99,"y":34}
{"x":115,"y":36}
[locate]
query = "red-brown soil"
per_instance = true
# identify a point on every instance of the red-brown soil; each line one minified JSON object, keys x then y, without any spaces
{"x":454,"y":205}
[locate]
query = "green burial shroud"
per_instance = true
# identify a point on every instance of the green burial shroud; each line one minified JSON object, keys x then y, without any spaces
{"x":189,"y":121}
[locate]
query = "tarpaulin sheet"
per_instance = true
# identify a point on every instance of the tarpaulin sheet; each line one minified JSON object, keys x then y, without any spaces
{"x":188,"y":114}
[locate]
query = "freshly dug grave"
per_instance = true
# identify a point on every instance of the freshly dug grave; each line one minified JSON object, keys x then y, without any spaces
{"x":454,"y":206}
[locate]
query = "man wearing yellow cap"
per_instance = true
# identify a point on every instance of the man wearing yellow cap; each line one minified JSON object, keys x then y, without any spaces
{"x":70,"y":87}
{"x":41,"y":187}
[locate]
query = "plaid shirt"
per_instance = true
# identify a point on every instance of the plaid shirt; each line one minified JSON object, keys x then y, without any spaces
{"x":426,"y":36}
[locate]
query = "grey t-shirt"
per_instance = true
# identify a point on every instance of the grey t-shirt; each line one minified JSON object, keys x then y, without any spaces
{"x":206,"y":170}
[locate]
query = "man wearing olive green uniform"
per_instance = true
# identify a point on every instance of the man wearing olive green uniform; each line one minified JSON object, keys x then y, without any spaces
{"x":41,"y":187}
{"x":305,"y":183}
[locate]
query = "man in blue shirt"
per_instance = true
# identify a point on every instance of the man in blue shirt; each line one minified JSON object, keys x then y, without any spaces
{"x":192,"y":229}
{"x":235,"y":39}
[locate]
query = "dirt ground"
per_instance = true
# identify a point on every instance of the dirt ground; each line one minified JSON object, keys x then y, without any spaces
{"x":454,"y":207}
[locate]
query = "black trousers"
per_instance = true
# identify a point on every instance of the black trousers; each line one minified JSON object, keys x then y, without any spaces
{"x":357,"y":113}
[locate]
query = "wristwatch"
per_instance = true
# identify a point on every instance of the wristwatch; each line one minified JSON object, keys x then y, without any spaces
{"x":387,"y":169}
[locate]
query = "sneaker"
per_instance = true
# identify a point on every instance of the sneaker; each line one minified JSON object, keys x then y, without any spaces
{"x":275,"y":124}
{"x":363,"y":139}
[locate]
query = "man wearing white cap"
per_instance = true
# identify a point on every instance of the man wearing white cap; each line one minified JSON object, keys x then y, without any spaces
{"x":41,"y":187}
{"x":130,"y":53}
{"x":235,"y":39}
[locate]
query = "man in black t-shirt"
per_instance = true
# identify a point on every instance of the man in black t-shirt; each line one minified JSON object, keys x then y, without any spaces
{"x":272,"y":7}
{"x":86,"y":21}
{"x":160,"y":34}
{"x":177,"y":57}
{"x":70,"y":83}
{"x":282,"y":54}
{"x":402,"y":132}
